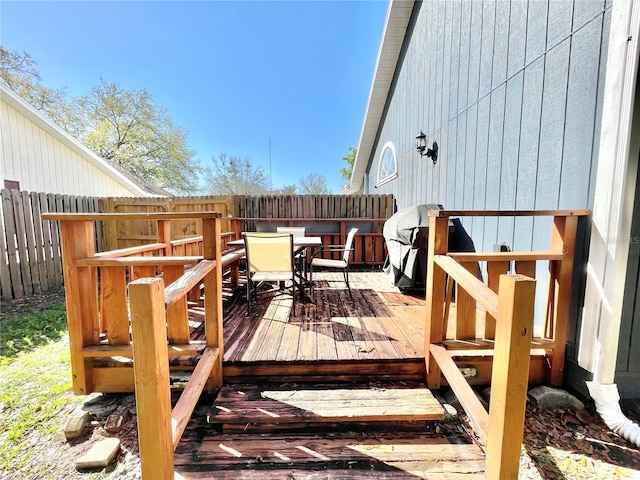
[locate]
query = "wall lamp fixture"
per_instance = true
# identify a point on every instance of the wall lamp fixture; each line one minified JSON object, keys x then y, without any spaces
{"x":421,"y":147}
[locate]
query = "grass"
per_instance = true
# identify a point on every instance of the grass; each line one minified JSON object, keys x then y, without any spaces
{"x":35,"y":381}
{"x":24,"y":333}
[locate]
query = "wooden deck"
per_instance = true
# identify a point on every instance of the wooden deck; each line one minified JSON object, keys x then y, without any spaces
{"x":376,"y":331}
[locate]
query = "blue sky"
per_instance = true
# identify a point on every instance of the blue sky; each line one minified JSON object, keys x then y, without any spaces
{"x":232,"y":74}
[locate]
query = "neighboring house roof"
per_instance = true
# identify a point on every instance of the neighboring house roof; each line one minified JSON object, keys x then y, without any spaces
{"x":395,"y":28}
{"x":128,"y":179}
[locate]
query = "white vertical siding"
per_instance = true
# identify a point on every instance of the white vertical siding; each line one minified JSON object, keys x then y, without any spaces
{"x":42,"y":162}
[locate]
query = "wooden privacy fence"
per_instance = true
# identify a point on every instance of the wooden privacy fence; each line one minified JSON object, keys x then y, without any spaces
{"x":507,"y":302}
{"x":30,"y":247}
{"x":368,"y":246}
{"x":286,"y":208}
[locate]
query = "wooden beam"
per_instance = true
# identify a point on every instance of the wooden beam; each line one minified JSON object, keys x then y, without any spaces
{"x":510,"y":375}
{"x":191,"y":394}
{"x":478,"y":290}
{"x":137,"y":261}
{"x":434,"y":311}
{"x":466,"y":308}
{"x":463,"y":391}
{"x":114,"y":310}
{"x":563,"y":240}
{"x":190,"y":349}
{"x":212,"y":250}
{"x":177,"y":315}
{"x":508,"y":213}
{"x":124,"y":252}
{"x":504,"y":256}
{"x":130,"y":216}
{"x":151,"y":373}
{"x":81,"y":293}
{"x":179,"y":287}
{"x":494,"y":270}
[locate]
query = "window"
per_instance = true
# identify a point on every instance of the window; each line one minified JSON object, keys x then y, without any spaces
{"x":387,"y":166}
{"x":11,"y":185}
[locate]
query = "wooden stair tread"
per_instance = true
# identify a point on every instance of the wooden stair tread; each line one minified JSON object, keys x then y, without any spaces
{"x":341,"y":455}
{"x":276,"y":405}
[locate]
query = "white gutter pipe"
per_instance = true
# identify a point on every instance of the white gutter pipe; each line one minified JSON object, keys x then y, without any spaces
{"x":613,"y":214}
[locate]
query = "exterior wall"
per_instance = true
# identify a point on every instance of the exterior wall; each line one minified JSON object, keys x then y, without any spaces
{"x":512,"y":93}
{"x":42,"y":162}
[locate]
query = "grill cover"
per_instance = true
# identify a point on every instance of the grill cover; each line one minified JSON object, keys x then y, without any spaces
{"x":406,"y":234}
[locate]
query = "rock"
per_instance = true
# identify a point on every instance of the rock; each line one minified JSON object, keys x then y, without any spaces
{"x":116,"y":421}
{"x":449,"y":411}
{"x":551,"y":398}
{"x":76,"y":423}
{"x":100,"y":455}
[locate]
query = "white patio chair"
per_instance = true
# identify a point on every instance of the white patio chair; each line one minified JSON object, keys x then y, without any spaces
{"x":341,"y":264}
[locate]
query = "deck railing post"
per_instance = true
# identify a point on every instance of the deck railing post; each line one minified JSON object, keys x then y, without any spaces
{"x":563,"y":239}
{"x":510,"y":375}
{"x":436,"y":277}
{"x":164,"y":236}
{"x":151,"y":373}
{"x":81,"y":293}
{"x":212,"y":250}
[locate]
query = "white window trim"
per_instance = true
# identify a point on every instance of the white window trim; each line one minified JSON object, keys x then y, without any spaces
{"x":380,"y":182}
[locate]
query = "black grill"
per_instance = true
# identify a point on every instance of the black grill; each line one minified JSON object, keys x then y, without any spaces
{"x":406,"y":234}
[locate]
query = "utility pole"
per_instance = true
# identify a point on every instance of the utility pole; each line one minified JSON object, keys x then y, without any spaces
{"x":270,"y":180}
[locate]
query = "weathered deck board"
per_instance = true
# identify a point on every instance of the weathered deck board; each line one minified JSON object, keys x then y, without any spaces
{"x":241,"y":404}
{"x":330,"y":456}
{"x":336,"y":328}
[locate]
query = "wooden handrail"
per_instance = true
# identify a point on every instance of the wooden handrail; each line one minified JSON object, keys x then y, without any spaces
{"x":124,"y":252}
{"x":504,"y":256}
{"x":137,"y":261}
{"x":509,"y":213}
{"x":131,"y":216}
{"x":186,"y":241}
{"x":470,"y":283}
{"x":180,"y":287}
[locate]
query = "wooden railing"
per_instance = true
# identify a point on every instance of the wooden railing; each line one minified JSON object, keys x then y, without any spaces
{"x":369,"y":245}
{"x":507,"y":300}
{"x":157,"y":327}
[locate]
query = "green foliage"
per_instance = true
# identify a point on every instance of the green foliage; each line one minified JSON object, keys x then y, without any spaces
{"x":350,"y":159}
{"x":235,"y":175}
{"x":314,"y":184}
{"x":35,"y":381}
{"x":25,"y":333}
{"x":122,"y":126}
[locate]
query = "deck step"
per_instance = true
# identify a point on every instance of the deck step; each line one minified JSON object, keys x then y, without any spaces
{"x":345,"y":456}
{"x":250,"y":408}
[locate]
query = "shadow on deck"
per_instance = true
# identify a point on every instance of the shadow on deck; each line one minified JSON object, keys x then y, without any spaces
{"x":377,"y":332}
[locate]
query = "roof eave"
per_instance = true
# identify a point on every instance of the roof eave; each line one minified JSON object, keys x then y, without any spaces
{"x":395,"y":29}
{"x":47,"y":125}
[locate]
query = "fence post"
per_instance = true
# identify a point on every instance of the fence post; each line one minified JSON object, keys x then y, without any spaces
{"x":510,"y":376}
{"x":151,"y":374}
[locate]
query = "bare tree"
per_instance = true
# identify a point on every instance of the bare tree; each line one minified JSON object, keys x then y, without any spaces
{"x":234,"y":175}
{"x":314,"y":184}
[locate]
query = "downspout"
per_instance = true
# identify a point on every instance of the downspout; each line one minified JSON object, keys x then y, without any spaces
{"x":611,"y":227}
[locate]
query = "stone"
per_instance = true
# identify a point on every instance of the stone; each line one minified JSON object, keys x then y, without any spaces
{"x":100,"y":455}
{"x":548,"y":397}
{"x":76,"y":423}
{"x":449,"y":411}
{"x":116,"y":421}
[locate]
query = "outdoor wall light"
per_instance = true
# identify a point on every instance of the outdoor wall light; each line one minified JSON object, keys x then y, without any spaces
{"x":421,"y":147}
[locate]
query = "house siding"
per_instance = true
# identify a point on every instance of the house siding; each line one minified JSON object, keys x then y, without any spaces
{"x":512,"y":92}
{"x":42,"y":163}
